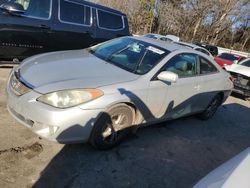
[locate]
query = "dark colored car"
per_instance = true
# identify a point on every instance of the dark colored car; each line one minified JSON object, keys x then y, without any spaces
{"x":29,"y":27}
{"x":228,"y":59}
{"x":212,"y":49}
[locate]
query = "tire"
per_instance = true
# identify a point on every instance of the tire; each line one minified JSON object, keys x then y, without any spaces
{"x":111,"y":127}
{"x":211,"y":109}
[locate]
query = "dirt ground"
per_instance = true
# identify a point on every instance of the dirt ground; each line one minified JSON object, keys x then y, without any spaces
{"x":171,"y":154}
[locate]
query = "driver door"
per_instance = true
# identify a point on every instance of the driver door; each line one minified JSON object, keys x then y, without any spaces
{"x":26,"y":34}
{"x":173,"y":100}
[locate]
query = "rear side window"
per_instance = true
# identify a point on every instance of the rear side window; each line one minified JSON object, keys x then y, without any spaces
{"x":72,"y":12}
{"x":206,"y":67}
{"x":108,"y":20}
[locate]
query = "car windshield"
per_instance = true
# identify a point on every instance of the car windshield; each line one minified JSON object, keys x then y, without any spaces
{"x":130,"y":54}
{"x":245,"y":63}
{"x":230,"y":57}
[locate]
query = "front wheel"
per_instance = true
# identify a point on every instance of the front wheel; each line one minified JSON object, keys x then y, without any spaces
{"x":211,"y":109}
{"x":112,"y":127}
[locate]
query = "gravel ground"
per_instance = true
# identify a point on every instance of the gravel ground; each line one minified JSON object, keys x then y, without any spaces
{"x":171,"y":154}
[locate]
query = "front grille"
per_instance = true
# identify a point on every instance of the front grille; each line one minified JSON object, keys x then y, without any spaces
{"x":17,"y":86}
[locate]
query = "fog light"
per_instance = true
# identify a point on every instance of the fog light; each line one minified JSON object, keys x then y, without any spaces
{"x":48,"y":131}
{"x":53,"y":130}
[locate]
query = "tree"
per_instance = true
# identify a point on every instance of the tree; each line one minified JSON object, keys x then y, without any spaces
{"x":220,"y":22}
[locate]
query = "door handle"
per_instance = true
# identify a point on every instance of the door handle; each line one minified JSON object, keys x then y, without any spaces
{"x":44,"y":26}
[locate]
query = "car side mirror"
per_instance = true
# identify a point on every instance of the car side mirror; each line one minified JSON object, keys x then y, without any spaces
{"x":168,"y":76}
{"x":12,"y":8}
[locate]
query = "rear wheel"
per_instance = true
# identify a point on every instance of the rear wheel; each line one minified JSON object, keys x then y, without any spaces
{"x":211,"y":109}
{"x":112,"y":127}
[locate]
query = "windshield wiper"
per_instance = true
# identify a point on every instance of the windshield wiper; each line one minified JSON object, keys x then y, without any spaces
{"x":140,"y":62}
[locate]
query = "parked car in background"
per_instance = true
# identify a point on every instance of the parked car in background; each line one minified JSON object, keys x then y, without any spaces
{"x":228,"y":59}
{"x":233,"y":173}
{"x":211,"y":48}
{"x":195,"y":47}
{"x":173,"y":38}
{"x":167,"y":38}
{"x":98,"y":94}
{"x":36,"y":26}
{"x":241,"y":77}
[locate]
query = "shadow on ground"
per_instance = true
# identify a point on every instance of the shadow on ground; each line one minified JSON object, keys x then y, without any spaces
{"x":171,"y":154}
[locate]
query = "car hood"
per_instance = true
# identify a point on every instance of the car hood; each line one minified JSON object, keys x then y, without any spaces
{"x":70,"y":70}
{"x":240,"y":69}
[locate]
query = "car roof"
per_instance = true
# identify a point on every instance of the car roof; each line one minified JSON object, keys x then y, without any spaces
{"x":98,"y":6}
{"x":156,"y":35}
{"x":190,"y":45}
{"x":193,"y":46}
{"x":165,"y":45}
{"x":202,"y":44}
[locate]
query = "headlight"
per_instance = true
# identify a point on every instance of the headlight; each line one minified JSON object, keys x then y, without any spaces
{"x":70,"y":98}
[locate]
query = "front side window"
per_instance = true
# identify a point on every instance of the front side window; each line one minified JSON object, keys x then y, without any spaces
{"x":130,"y":54}
{"x":206,"y":67}
{"x":184,"y":65}
{"x":35,"y":8}
{"x":109,"y":20}
{"x":76,"y":13}
{"x":24,"y":3}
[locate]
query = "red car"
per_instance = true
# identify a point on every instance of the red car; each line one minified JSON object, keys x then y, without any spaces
{"x":228,"y":59}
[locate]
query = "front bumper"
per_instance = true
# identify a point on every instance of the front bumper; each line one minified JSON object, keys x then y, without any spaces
{"x":242,"y":91}
{"x":72,"y":125}
{"x":241,"y":84}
